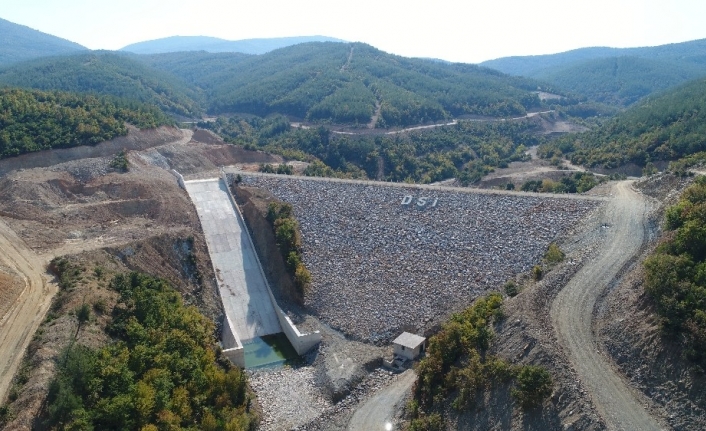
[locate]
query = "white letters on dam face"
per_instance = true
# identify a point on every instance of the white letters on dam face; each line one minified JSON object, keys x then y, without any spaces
{"x":422,"y":202}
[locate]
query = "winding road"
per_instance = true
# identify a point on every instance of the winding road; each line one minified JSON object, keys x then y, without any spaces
{"x":572,"y":313}
{"x":378,"y":412}
{"x":19,"y":324}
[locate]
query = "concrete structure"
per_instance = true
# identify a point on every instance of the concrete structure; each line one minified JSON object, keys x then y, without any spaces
{"x":243,"y":288}
{"x":250,"y":308}
{"x":302,"y":343}
{"x":409,"y":346}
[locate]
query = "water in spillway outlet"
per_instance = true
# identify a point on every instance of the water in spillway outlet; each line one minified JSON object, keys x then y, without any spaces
{"x":269,"y":351}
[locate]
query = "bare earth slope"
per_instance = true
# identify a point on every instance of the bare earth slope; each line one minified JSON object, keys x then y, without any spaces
{"x":26,"y":313}
{"x":572,"y":314}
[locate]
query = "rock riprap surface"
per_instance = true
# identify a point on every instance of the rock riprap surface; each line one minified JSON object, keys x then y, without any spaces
{"x":381,"y":262}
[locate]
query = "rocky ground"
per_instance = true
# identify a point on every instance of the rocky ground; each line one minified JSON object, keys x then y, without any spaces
{"x":378,"y":265}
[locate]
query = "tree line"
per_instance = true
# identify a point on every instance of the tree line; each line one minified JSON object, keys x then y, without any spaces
{"x":33,"y":120}
{"x":675,"y":274}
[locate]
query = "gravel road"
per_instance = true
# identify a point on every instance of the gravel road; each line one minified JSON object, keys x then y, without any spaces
{"x":24,"y":316}
{"x":572,"y":313}
{"x":378,"y":413}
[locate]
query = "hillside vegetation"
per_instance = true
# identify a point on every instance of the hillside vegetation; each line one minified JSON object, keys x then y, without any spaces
{"x":666,"y":127}
{"x":214,"y":44}
{"x":466,"y":151}
{"x":457,"y":369}
{"x":159,"y":373}
{"x":33,"y":120}
{"x":344,"y":83}
{"x":676,"y":273}
{"x":622,"y":80}
{"x":194,"y":67}
{"x":106,"y":73}
{"x":20,"y":43}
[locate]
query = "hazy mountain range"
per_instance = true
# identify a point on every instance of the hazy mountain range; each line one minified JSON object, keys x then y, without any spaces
{"x":213,"y":44}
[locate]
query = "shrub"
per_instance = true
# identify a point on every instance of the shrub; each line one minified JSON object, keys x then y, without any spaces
{"x":100,"y":306}
{"x":302,"y":278}
{"x":511,"y":288}
{"x":432,"y":422}
{"x":554,"y":254}
{"x":533,"y":386}
{"x":83,"y":313}
{"x":537,"y":272}
{"x":120,"y":162}
{"x":99,"y":272}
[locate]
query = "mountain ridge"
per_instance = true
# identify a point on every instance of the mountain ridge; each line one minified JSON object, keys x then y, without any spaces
{"x":534,"y":65}
{"x":20,"y":43}
{"x":217,"y":45}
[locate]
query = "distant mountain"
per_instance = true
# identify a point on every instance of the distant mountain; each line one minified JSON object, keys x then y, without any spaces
{"x":693,"y":52}
{"x":213,"y":44}
{"x":19,"y":43}
{"x":667,"y":126}
{"x":348,"y":83}
{"x":106,"y":73}
{"x":618,"y":76}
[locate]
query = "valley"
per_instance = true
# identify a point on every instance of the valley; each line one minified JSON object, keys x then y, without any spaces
{"x":199,"y":233}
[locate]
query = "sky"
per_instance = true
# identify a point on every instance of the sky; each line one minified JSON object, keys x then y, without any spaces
{"x":467,"y":31}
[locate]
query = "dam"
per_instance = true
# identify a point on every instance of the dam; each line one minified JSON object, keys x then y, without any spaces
{"x":251,"y":312}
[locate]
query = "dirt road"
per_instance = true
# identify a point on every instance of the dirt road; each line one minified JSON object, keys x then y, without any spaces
{"x":24,"y":316}
{"x":378,"y":413}
{"x":572,"y":313}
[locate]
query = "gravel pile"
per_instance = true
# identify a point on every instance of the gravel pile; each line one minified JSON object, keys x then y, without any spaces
{"x":379,"y":266}
{"x":85,"y":170}
{"x":337,"y":416}
{"x":288,"y":397}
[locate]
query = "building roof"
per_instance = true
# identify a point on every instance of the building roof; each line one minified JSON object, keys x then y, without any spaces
{"x":408,"y":340}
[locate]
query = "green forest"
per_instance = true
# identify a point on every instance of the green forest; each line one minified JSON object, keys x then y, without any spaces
{"x":622,"y":80}
{"x":467,"y":150}
{"x":106,"y":73}
{"x":675,"y":274}
{"x":317,"y":82}
{"x":160,"y":372}
{"x":664,"y":127}
{"x":35,"y":120}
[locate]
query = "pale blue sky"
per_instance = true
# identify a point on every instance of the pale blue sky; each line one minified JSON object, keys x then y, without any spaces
{"x":466,"y":30}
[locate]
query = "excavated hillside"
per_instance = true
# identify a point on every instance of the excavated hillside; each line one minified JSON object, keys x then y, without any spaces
{"x":75,"y":203}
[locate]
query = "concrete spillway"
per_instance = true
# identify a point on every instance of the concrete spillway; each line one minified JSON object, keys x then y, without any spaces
{"x":243,"y":288}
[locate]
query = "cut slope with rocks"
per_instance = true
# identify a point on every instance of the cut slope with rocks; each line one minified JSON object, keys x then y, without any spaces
{"x":377,"y":264}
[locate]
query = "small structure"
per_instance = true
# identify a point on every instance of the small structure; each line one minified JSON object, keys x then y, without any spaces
{"x":409,"y":346}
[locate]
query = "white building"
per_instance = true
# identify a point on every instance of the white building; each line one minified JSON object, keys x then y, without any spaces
{"x":409,"y":346}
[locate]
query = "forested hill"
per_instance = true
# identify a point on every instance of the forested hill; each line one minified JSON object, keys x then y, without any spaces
{"x":19,"y":43}
{"x":35,"y":120}
{"x":194,"y":66}
{"x":106,"y":73}
{"x":344,"y":83}
{"x":623,"y":80}
{"x":213,"y":44}
{"x":665,"y":127}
